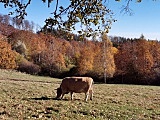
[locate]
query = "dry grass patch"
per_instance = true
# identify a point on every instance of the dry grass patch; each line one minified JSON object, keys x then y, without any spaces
{"x":31,"y":97}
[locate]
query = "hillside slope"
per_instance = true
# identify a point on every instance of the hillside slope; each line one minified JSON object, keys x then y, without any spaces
{"x":31,"y":97}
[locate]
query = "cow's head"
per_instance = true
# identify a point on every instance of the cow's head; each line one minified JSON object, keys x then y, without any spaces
{"x":59,"y":93}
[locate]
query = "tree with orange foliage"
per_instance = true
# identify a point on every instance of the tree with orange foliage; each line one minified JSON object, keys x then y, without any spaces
{"x":51,"y":59}
{"x":52,"y":63}
{"x":7,"y":56}
{"x":29,"y":43}
{"x":144,"y":59}
{"x":134,"y":61}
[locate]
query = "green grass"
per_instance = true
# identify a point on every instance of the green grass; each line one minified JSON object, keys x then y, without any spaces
{"x":27,"y":97}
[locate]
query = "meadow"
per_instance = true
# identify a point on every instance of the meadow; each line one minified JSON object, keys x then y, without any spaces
{"x":27,"y":97}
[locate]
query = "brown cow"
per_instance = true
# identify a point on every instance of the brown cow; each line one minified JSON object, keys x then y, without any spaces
{"x":77,"y":85}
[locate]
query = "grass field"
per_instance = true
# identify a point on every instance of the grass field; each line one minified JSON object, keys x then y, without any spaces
{"x":26,"y":97}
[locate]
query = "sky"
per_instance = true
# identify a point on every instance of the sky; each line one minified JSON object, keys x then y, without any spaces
{"x":145,"y":19}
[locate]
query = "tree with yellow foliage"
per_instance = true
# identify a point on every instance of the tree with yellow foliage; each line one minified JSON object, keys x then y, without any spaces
{"x":103,"y":65}
{"x":85,"y":60}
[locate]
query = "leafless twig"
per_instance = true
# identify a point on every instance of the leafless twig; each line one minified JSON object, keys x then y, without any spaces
{"x":126,"y":8}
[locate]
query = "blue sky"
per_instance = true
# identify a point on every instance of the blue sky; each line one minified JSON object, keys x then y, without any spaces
{"x":145,"y":20}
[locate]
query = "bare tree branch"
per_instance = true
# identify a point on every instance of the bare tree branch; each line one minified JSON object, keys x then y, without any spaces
{"x":126,"y":8}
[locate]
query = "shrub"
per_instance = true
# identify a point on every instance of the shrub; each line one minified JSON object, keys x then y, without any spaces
{"x":28,"y":67}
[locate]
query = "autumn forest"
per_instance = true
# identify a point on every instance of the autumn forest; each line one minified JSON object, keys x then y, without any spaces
{"x":58,"y":54}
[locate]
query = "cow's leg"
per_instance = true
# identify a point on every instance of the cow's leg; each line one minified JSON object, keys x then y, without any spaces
{"x":71,"y":95}
{"x":86,"y":96}
{"x":91,"y":94}
{"x":62,"y":96}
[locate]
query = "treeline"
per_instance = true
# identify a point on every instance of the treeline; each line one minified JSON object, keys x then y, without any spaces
{"x":47,"y":55}
{"x":137,"y":62}
{"x":19,"y":24}
{"x":121,"y":61}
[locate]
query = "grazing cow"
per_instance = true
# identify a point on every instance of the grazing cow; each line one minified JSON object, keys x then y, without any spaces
{"x":77,"y":85}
